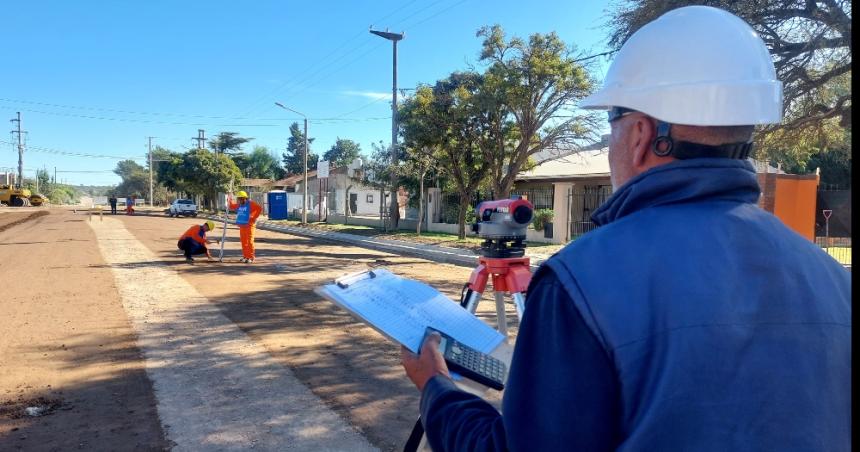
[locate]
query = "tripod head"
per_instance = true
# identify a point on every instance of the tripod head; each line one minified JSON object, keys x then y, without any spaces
{"x":502,"y":223}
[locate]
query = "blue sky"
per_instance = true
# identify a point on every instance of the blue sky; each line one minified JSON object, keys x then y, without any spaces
{"x":98,"y":77}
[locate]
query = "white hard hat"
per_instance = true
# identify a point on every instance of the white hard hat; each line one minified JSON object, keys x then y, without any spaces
{"x":695,"y":65}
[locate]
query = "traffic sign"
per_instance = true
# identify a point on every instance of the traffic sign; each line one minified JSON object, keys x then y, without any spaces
{"x":827,"y":213}
{"x":322,"y":169}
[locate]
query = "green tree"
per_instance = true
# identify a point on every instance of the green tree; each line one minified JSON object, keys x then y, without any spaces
{"x":294,"y":157}
{"x":44,"y":179}
{"x":810,"y":42}
{"x":342,"y":152}
{"x":170,"y":170}
{"x":206,"y":173}
{"x":135,"y":179}
{"x":442,"y":122}
{"x":526,"y":99}
{"x":228,"y":142}
{"x":260,"y":164}
{"x":419,"y":163}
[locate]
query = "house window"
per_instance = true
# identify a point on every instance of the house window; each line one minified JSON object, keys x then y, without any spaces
{"x":370,"y":198}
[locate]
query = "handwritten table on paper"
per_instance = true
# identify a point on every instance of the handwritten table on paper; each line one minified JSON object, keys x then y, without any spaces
{"x":402,"y":309}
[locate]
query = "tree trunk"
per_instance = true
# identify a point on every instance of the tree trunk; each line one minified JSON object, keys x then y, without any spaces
{"x":461,"y":215}
{"x":394,"y":210}
{"x":420,"y":204}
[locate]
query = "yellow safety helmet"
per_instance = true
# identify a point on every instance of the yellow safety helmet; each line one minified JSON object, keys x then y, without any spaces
{"x":211,"y":225}
{"x":241,"y":194}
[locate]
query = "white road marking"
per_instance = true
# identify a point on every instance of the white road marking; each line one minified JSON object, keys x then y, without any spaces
{"x":216,"y":388}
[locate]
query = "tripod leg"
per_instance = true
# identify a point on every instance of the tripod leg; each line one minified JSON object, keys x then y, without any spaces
{"x":501,"y":318}
{"x":520,"y":303}
{"x":415,"y":437}
{"x":470,"y":302}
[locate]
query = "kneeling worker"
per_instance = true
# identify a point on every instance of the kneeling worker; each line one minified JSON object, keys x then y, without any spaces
{"x":194,"y":240}
{"x":247,"y":212}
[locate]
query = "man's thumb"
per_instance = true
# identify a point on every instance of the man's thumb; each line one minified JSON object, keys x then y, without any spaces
{"x":433,"y":341}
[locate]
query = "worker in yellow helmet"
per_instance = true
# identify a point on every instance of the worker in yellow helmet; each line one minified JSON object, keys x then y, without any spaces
{"x":247,"y":212}
{"x":194,"y":241}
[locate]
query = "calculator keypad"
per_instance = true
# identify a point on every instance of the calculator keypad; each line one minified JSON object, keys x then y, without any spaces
{"x":476,"y":361}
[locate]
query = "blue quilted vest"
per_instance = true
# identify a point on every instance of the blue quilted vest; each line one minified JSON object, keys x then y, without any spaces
{"x":727,"y":330}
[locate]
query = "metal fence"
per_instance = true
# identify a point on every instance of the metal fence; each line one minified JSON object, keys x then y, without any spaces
{"x":837,"y":247}
{"x":540,"y":197}
{"x":582,"y":201}
{"x":450,"y":205}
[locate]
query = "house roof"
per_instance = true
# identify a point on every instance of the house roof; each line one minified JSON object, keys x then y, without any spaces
{"x":589,"y":164}
{"x":256,"y":182}
{"x":291,"y":181}
{"x":579,"y":165}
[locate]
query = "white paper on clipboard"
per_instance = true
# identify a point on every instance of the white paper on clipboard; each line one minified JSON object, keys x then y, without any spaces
{"x":401,"y":309}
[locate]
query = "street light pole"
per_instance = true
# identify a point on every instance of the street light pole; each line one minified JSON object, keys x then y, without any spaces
{"x":394,"y":210}
{"x":150,"y":171}
{"x":305,"y":183}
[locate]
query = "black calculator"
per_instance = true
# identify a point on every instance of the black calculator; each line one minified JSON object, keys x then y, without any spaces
{"x":471,"y":363}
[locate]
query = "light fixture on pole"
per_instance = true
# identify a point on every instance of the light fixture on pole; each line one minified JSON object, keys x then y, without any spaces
{"x":305,"y":183}
{"x":395,"y":207}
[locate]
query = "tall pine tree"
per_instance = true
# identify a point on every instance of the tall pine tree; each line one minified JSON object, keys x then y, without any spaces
{"x":294,"y":156}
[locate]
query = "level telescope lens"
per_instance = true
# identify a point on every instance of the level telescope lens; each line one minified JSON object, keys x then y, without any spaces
{"x":522,"y":214}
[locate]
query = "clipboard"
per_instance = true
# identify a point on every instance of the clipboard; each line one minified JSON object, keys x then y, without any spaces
{"x":401,"y":309}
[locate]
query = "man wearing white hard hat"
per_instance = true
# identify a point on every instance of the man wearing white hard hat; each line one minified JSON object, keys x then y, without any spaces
{"x":691,"y":319}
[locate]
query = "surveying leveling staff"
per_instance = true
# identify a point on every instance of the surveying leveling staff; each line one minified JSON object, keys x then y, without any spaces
{"x":247,"y":212}
{"x":194,"y":240}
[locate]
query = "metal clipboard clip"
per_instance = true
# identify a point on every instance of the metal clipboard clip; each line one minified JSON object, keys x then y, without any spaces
{"x":344,"y":281}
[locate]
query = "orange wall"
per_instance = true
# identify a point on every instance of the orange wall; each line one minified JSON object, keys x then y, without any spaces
{"x":794,"y":203}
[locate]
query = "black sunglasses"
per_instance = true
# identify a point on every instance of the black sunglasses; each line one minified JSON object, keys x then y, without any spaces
{"x":617,"y":112}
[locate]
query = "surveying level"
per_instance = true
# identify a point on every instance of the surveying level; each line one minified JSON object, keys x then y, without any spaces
{"x":502,"y":223}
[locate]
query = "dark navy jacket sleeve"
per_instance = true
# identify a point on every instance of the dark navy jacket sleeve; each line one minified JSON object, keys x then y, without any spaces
{"x":561,"y":393}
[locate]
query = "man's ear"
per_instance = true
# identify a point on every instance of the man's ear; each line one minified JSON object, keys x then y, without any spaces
{"x":642,"y":140}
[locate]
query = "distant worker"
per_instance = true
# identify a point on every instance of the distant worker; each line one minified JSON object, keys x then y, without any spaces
{"x":247,"y":212}
{"x":112,"y":201}
{"x":129,"y":205}
{"x":194,"y":241}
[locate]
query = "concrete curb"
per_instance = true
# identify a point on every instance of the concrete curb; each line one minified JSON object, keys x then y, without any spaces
{"x":454,"y":256}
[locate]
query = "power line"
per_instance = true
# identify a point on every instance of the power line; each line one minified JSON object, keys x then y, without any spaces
{"x":133,"y":120}
{"x":73,"y":154}
{"x":145,"y":121}
{"x":148,"y":113}
{"x":300,"y":84}
{"x":378,"y":100}
{"x":318,"y":80}
{"x":438,"y":13}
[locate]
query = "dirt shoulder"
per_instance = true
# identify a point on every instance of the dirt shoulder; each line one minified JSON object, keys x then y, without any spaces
{"x":67,"y":344}
{"x":350,"y":366}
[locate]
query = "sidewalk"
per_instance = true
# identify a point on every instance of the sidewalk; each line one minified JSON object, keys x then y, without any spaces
{"x":436,"y":253}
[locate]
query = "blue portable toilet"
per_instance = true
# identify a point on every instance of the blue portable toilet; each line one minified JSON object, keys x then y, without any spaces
{"x":277,"y":205}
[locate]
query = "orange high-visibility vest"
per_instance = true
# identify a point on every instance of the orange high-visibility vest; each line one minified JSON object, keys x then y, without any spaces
{"x":197,"y":233}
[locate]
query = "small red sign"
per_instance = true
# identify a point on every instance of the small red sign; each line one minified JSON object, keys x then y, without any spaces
{"x":827,"y":214}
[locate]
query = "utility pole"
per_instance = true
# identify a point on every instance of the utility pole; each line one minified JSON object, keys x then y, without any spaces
{"x":20,"y":182}
{"x":201,"y":138}
{"x":150,"y":170}
{"x":394,"y":207}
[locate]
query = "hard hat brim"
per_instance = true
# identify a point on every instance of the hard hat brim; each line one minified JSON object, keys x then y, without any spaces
{"x":714,"y":103}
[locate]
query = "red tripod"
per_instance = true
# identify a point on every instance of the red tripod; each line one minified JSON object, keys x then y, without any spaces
{"x":511,"y":275}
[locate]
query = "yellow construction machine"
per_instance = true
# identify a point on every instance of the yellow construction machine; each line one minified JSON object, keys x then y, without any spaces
{"x":38,"y":199}
{"x":15,"y":197}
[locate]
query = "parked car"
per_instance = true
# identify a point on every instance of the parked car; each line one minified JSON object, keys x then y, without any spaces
{"x":184,"y":207}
